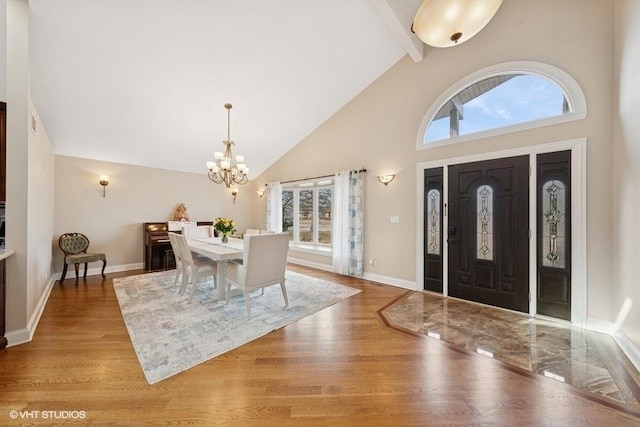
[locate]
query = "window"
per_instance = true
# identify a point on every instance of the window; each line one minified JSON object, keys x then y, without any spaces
{"x":306,"y":213}
{"x":501,"y":99}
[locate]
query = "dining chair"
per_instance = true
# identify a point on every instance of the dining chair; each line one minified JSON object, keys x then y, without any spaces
{"x":193,"y":268}
{"x":251,"y":232}
{"x":74,"y":246}
{"x":175,"y":247}
{"x":264,"y":262}
{"x":198,"y":231}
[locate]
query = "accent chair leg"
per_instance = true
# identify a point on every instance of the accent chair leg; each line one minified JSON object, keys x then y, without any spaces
{"x":64,"y":273}
{"x":86,"y":265}
{"x":77,"y":267}
{"x":104,"y":265}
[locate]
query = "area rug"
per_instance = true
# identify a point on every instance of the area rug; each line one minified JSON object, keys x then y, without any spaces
{"x":171,"y":334}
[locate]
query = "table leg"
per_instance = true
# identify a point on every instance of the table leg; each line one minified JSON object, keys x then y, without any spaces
{"x":221,"y":281}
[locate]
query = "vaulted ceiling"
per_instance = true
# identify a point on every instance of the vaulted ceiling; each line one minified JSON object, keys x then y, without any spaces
{"x":144,"y":82}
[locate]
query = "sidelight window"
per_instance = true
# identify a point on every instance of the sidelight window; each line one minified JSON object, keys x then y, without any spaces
{"x":434,"y":219}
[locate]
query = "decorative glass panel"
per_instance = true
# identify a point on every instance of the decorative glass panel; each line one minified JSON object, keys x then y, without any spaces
{"x":554,"y":206}
{"x":484,"y":223}
{"x":433,"y":222}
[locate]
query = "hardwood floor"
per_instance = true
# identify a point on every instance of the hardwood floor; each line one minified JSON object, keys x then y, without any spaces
{"x":341,"y":366}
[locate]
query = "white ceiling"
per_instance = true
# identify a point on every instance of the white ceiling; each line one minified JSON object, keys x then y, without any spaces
{"x":144,"y":82}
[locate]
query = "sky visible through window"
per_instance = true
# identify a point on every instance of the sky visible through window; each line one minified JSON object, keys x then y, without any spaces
{"x":521,"y":99}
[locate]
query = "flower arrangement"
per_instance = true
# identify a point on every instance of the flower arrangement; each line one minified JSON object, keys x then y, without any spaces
{"x":224,"y":225}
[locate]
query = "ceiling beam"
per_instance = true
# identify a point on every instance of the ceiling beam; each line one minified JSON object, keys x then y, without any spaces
{"x":396,"y":14}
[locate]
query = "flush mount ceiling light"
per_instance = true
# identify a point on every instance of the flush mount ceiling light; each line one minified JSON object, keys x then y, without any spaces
{"x":446,"y":23}
{"x":227,"y":168}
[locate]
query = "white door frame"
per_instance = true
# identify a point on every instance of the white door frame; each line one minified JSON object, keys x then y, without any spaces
{"x":579,"y":282}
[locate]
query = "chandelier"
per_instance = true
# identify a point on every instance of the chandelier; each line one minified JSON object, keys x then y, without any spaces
{"x":227,"y":168}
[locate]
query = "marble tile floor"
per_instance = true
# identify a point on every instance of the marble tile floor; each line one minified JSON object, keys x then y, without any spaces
{"x":589,"y":361}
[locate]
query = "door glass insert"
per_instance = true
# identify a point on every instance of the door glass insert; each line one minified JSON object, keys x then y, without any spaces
{"x":484,"y":222}
{"x":433,"y":223}
{"x":554,"y":205}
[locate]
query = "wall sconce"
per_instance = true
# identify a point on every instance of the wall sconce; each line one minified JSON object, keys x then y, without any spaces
{"x":104,"y":181}
{"x":260,"y":193}
{"x":386,"y":178}
{"x":234,"y":193}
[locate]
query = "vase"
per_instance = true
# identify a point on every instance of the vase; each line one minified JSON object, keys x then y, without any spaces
{"x":225,"y":238}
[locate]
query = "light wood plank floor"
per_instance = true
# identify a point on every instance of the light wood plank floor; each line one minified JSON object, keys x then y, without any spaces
{"x":341,"y":366}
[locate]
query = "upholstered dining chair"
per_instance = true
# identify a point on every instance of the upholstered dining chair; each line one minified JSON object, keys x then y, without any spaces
{"x":176,"y":249}
{"x":264,"y":262}
{"x":198,"y":231}
{"x":193,"y":268}
{"x":251,"y":232}
{"x":74,"y":246}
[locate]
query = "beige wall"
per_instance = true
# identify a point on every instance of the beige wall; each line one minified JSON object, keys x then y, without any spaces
{"x":627,"y":165}
{"x":378,"y":129}
{"x":29,"y":205}
{"x":134,"y":195}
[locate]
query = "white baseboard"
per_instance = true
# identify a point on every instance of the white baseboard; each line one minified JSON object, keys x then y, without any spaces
{"x":405,"y":284}
{"x":400,"y":283}
{"x":25,"y":335}
{"x":610,"y":328}
{"x":317,"y":265}
{"x":98,"y":270}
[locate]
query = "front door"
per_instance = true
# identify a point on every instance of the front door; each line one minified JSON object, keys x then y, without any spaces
{"x":488,"y":232}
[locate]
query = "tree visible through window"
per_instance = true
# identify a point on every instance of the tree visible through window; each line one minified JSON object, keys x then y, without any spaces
{"x":496,"y":102}
{"x":306,"y":213}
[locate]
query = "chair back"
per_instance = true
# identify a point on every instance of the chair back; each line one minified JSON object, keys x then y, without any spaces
{"x":198,"y":231}
{"x":73,"y":243}
{"x":176,"y":248}
{"x":265,"y":257}
{"x":183,"y":248}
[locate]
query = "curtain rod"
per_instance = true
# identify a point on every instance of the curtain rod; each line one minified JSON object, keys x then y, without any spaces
{"x":320,"y":177}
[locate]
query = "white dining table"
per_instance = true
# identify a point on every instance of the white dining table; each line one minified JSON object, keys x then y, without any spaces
{"x":221,"y":253}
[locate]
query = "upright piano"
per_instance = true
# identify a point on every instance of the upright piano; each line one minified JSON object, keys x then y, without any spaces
{"x":157,"y":247}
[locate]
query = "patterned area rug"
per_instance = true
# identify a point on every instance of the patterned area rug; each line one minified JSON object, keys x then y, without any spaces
{"x":171,"y":335}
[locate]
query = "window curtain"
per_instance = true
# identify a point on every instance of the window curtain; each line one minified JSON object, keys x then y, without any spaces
{"x":274,"y":207}
{"x":348,"y":223}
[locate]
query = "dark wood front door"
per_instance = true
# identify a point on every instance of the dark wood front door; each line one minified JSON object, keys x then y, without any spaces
{"x":488,"y":232}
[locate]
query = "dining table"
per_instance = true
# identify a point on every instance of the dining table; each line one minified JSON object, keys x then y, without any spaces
{"x":222,"y":253}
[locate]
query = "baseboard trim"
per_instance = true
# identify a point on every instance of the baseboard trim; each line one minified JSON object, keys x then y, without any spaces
{"x":400,"y":283}
{"x":627,"y":347}
{"x":317,"y":265}
{"x":98,"y":270}
{"x":25,"y":335}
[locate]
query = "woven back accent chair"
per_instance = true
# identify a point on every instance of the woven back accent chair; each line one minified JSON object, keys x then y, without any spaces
{"x":74,"y":246}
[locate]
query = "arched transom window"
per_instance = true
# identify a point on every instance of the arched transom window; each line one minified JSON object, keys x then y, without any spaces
{"x":502,"y":99}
